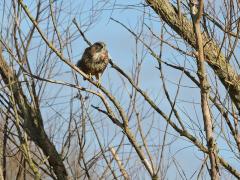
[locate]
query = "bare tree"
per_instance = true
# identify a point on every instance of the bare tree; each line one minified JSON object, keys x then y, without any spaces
{"x":167,"y":108}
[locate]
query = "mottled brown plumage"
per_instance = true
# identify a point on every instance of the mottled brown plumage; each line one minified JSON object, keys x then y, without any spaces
{"x":94,"y":60}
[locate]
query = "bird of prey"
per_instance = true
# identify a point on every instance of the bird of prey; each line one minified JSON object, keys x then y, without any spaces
{"x":94,"y":60}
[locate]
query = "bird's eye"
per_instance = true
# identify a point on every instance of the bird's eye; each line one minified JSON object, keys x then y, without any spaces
{"x":99,"y":45}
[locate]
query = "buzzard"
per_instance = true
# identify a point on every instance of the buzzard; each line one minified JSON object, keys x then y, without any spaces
{"x":94,"y":60}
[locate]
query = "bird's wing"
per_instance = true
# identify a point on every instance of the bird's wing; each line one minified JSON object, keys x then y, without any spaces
{"x":84,"y":61}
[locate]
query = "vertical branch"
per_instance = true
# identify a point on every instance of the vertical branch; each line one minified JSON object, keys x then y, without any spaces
{"x":179,"y":7}
{"x":32,"y":120}
{"x":1,"y":173}
{"x":55,"y":24}
{"x":1,"y":155}
{"x":204,"y":88}
{"x":5,"y":134}
{"x":102,"y":149}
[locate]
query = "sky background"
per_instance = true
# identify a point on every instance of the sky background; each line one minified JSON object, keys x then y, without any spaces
{"x":94,"y":18}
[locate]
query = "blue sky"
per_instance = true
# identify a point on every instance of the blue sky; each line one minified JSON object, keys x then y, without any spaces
{"x":121,"y":45}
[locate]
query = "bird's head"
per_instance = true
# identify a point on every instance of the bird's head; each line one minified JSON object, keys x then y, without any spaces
{"x":99,"y":46}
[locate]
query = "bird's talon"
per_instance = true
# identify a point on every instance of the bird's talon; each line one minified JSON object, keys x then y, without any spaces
{"x":98,"y":84}
{"x":90,"y":77}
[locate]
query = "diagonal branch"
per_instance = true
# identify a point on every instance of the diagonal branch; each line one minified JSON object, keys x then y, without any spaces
{"x":32,"y":120}
{"x":184,"y":133}
{"x":216,"y":60}
{"x":124,"y":117}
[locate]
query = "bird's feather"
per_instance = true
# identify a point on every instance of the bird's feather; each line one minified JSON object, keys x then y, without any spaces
{"x":94,"y":59}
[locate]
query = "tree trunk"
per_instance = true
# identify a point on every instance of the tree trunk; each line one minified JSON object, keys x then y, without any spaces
{"x":212,"y":53}
{"x":32,"y":120}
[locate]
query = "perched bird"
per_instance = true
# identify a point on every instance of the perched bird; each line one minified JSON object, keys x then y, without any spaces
{"x":94,"y":60}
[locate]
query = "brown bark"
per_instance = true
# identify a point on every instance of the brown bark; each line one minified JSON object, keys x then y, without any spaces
{"x":204,"y":88}
{"x":32,"y":120}
{"x":214,"y":57}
